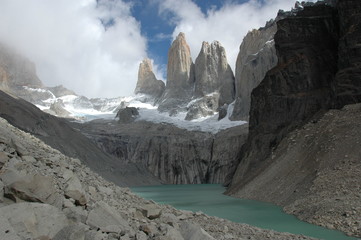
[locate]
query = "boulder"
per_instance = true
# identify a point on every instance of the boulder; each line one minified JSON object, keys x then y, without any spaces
{"x":213,"y":73}
{"x":3,"y":159}
{"x":30,"y":221}
{"x":73,"y":232}
{"x":106,"y":218}
{"x":151,"y":211}
{"x":33,"y":188}
{"x":147,"y":82}
{"x":191,"y":231}
{"x":75,"y":190}
{"x":127,"y":115}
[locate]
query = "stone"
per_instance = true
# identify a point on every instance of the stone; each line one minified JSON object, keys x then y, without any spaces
{"x":147,"y":82}
{"x":180,"y":76}
{"x":257,"y":55}
{"x":76,"y":214}
{"x":141,"y":236}
{"x":3,"y":159}
{"x":33,"y":188}
{"x":30,"y":221}
{"x":191,"y":231}
{"x":213,"y":73}
{"x":127,"y":114}
{"x":29,"y":159}
{"x":106,"y":218}
{"x":222,"y":112}
{"x":203,"y":107}
{"x":73,"y":232}
{"x":151,"y":211}
{"x":75,"y":190}
{"x":1,"y":192}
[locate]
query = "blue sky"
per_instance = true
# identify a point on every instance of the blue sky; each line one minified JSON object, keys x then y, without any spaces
{"x":94,"y":47}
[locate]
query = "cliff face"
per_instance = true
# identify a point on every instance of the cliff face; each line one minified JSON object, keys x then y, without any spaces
{"x":257,"y":55}
{"x":293,"y":91}
{"x":213,"y":73}
{"x":296,"y":153}
{"x":174,"y":155}
{"x":147,"y":82}
{"x":348,"y":79}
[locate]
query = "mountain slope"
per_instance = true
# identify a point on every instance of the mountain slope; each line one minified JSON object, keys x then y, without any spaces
{"x":58,"y":134}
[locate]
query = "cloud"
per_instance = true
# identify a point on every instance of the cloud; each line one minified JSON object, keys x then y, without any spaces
{"x":92,"y":47}
{"x":228,"y":24}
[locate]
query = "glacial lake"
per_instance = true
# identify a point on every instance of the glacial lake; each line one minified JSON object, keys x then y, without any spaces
{"x":209,"y":199}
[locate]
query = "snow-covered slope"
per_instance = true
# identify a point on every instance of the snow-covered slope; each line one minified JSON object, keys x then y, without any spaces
{"x":84,"y":109}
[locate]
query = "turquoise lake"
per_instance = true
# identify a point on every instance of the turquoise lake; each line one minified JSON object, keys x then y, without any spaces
{"x":209,"y":199}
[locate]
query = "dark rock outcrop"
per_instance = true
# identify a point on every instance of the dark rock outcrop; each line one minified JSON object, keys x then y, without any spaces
{"x":213,"y":73}
{"x":147,"y":82}
{"x":174,"y":155}
{"x":127,"y":114}
{"x":348,"y":78}
{"x":180,"y":76}
{"x":297,"y":88}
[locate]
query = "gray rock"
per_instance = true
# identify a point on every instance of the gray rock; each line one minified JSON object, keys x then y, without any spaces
{"x":33,"y":188}
{"x":106,"y":219}
{"x":180,"y":75}
{"x":147,"y":82}
{"x":60,"y":91}
{"x":213,"y":73}
{"x":222,"y":112}
{"x":1,"y":191}
{"x":30,"y":221}
{"x":191,"y":231}
{"x":151,"y":211}
{"x":127,"y":114}
{"x":257,"y":55}
{"x":203,"y":107}
{"x":3,"y":159}
{"x":73,"y":232}
{"x":76,"y":214}
{"x":75,"y":190}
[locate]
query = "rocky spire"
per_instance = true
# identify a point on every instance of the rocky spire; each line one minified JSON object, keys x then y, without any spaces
{"x":213,"y":73}
{"x":180,"y":75}
{"x":179,"y":64}
{"x":147,"y":82}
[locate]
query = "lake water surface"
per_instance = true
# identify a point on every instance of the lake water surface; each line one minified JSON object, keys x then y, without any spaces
{"x":209,"y":199}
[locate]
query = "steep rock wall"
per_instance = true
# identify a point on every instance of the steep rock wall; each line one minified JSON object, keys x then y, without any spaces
{"x":174,"y":155}
{"x":257,"y":55}
{"x":293,"y":91}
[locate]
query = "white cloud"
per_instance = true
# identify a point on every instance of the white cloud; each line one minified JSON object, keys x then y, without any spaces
{"x":228,"y":25}
{"x":70,"y":46}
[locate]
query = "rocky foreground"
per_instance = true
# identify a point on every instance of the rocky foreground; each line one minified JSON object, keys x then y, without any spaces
{"x":46,"y":195}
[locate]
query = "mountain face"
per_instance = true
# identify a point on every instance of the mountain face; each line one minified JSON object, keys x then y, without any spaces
{"x":147,"y":82}
{"x":213,"y":73}
{"x":180,"y":75}
{"x":285,"y":161}
{"x":257,"y":55}
{"x":172,"y":154}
